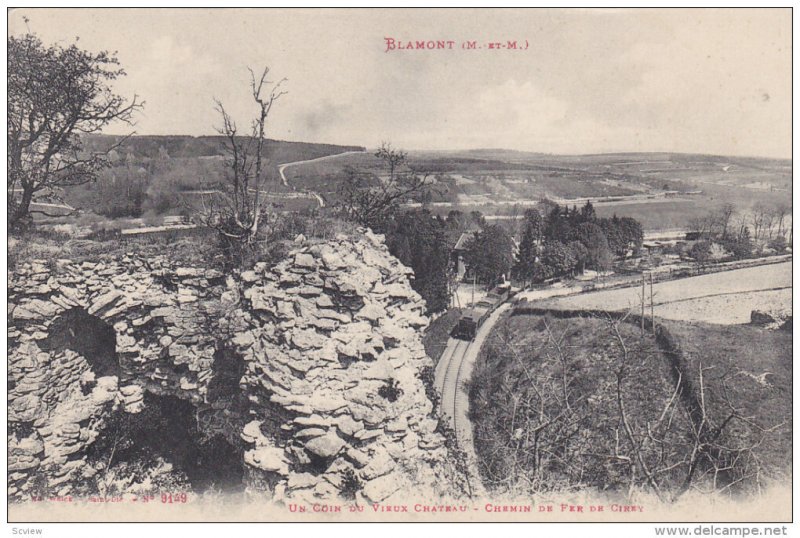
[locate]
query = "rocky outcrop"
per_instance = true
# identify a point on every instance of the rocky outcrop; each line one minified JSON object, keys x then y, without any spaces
{"x":324,"y":350}
{"x":331,"y":338}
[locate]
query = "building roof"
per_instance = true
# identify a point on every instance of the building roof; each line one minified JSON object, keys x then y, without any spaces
{"x":465,"y":237}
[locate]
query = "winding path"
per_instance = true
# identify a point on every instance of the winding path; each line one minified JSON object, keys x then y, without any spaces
{"x":282,"y":167}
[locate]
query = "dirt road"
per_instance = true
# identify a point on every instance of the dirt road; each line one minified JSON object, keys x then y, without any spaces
{"x":282,"y":167}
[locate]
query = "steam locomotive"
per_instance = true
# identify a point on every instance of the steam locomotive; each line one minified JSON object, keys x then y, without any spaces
{"x":474,"y":317}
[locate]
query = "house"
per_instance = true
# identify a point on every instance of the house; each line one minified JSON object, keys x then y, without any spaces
{"x":459,"y":251}
{"x":457,"y":254}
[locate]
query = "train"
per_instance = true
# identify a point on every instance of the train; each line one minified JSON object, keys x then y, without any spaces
{"x":473,"y":318}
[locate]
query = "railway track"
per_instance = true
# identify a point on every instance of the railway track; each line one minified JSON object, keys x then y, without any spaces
{"x":452,"y":373}
{"x":453,"y":361}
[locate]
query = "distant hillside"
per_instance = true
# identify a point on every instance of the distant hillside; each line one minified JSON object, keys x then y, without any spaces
{"x":605,"y":158}
{"x":180,"y":146}
{"x":150,"y":174}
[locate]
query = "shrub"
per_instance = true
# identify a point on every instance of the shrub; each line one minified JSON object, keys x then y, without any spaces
{"x":390,"y":391}
{"x":779,"y":244}
{"x":741,"y":247}
{"x":351,"y":485}
{"x":701,"y":251}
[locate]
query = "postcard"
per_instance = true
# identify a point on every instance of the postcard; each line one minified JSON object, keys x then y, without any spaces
{"x":399,"y":265}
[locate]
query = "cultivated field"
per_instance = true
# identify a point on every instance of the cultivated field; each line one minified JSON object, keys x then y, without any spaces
{"x":504,"y":183}
{"x":734,"y":308}
{"x":722,"y":298}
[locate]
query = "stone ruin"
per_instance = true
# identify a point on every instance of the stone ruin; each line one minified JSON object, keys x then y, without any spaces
{"x":307,"y":374}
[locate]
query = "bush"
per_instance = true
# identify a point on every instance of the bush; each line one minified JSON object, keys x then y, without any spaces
{"x":327,"y":227}
{"x":559,"y":378}
{"x":36,"y":244}
{"x":351,"y":485}
{"x":701,"y":251}
{"x":390,"y":391}
{"x":741,"y":247}
{"x":680,"y":248}
{"x":779,"y":244}
{"x":272,"y":242}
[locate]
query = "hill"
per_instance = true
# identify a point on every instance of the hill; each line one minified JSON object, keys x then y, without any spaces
{"x":662,"y":190}
{"x":184,"y":146}
{"x":152,"y":174}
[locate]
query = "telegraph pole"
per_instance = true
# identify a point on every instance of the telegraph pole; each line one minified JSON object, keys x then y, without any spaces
{"x":474,"y":282}
{"x":652,"y":305}
{"x":643,"y":296}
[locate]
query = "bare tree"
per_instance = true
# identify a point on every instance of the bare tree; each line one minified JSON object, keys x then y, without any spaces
{"x":541,"y":416}
{"x":725,"y":215}
{"x":781,"y":211}
{"x":702,"y":226}
{"x":742,"y":223}
{"x":369,"y":202}
{"x":55,"y":96}
{"x":759,"y":217}
{"x":238,"y":211}
{"x":649,"y":452}
{"x":724,"y":438}
{"x":717,"y":451}
{"x":769,"y":223}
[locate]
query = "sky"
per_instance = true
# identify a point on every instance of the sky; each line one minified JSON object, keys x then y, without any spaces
{"x":589,"y":81}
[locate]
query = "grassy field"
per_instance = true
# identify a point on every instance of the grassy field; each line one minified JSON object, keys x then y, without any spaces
{"x":325,"y":177}
{"x":722,"y":298}
{"x":196,"y":247}
{"x":664,"y":215}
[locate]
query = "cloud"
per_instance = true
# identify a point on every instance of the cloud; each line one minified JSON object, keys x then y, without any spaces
{"x":591,"y":81}
{"x":514,"y":115}
{"x":323,"y":118}
{"x":169,"y":57}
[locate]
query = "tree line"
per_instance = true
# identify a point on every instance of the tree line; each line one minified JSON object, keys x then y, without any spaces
{"x":565,"y":242}
{"x":740,"y":233}
{"x":570,"y":240}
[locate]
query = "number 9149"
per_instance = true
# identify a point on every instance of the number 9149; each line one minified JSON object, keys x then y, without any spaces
{"x":172,"y":498}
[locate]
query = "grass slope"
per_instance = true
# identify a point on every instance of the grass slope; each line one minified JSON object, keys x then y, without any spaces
{"x":545,"y":408}
{"x":546,"y":415}
{"x":736,"y":357}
